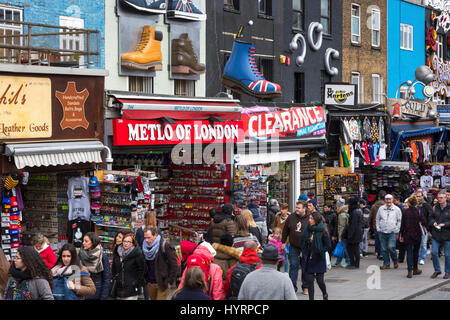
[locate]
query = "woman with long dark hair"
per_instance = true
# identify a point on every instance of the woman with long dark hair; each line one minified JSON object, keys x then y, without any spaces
{"x":97,"y":263}
{"x":353,"y":233}
{"x":194,"y":286}
{"x":315,"y":242}
{"x":30,"y":279}
{"x":69,"y":273}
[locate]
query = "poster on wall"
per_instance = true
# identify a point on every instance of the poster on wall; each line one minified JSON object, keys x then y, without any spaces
{"x":140,"y":42}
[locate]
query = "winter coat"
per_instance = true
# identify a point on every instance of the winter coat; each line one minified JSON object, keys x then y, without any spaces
{"x":260,"y":222}
{"x":314,"y":262}
{"x":191,"y":294}
{"x":256,"y":232}
{"x":140,"y":236}
{"x":248,"y":256}
{"x":295,"y":224}
{"x":353,"y":231}
{"x":220,"y":225}
{"x":365,"y":218}
{"x":226,"y":257}
{"x":216,"y":290}
{"x":426,"y":209}
{"x":332,"y":223}
{"x":166,"y":270}
{"x":49,"y":257}
{"x":128,"y":272}
{"x":102,"y":281}
{"x":389,"y":219}
{"x":440,"y":216}
{"x":272,"y":211}
{"x":410,"y":229}
{"x":373,"y":213}
{"x":342,"y":220}
{"x":39,"y":289}
{"x":239,"y":241}
{"x":86,"y":286}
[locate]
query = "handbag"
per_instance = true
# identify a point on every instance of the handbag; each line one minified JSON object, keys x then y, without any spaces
{"x":339,"y":250}
{"x":327,"y":259}
{"x":113,"y":289}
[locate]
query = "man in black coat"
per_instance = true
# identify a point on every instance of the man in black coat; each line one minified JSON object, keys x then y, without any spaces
{"x":272,"y":211}
{"x":426,"y":210}
{"x":331,"y":220}
{"x":353,"y":232}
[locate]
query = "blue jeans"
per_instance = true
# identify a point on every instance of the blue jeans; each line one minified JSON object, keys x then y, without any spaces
{"x":388,"y":243}
{"x":364,"y":245}
{"x":423,"y":247}
{"x":346,"y":255}
{"x":294,"y":266}
{"x":435,"y":255}
{"x":286,"y":262}
{"x":377,"y":242}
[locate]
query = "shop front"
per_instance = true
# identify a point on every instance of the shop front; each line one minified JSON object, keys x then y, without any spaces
{"x":188,"y":144}
{"x":51,"y":133}
{"x":268,"y":162}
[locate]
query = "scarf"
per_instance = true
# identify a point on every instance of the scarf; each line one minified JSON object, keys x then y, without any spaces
{"x":18,"y":288}
{"x":122,"y":252}
{"x":20,"y":275}
{"x":92,"y":259}
{"x":62,"y":270}
{"x":316,"y":242}
{"x":151,"y":250}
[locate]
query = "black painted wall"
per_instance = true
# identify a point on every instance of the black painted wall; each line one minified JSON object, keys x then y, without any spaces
{"x":277,"y":29}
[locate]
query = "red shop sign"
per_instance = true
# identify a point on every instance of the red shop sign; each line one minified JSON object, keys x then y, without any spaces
{"x":133,"y":132}
{"x":296,"y":121}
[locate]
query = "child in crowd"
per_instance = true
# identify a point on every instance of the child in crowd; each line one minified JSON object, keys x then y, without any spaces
{"x":275,"y":239}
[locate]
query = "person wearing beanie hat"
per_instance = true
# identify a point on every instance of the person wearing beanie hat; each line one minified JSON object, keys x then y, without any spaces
{"x":303,"y":197}
{"x":340,"y":203}
{"x":312,"y":206}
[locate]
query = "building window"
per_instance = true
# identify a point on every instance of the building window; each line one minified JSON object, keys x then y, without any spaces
{"x":356,"y":79}
{"x":71,"y":41}
{"x":266,"y":68}
{"x":356,"y":27}
{"x":325,"y":15}
{"x":231,"y":5}
{"x":440,"y":46}
{"x":406,"y":37}
{"x":298,"y":14}
{"x":265,"y":7}
{"x":185,"y":88}
{"x":377,"y":85}
{"x":140,"y":84}
{"x":9,"y":29}
{"x":299,"y":89}
{"x":375,"y":28}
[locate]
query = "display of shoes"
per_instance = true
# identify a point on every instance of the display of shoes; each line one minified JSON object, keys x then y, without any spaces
{"x":148,"y":52}
{"x":185,"y":9}
{"x":149,"y":6}
{"x":184,"y":59}
{"x":241,"y":73}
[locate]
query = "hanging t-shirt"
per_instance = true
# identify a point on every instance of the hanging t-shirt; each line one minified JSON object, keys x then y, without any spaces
{"x":381,"y":129}
{"x":426,"y":182}
{"x":382,"y":152}
{"x":370,"y":150}
{"x":354,"y":130}
{"x":437,"y":170}
{"x":76,"y":229}
{"x":78,"y":198}
{"x":352,"y":158}
{"x":366,"y":127}
{"x":445,"y":182}
{"x":426,"y":151}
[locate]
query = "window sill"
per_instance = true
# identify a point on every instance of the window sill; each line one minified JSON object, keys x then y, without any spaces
{"x":295,"y":31}
{"x":376,"y":48}
{"x":263,"y":16}
{"x":356,"y":44}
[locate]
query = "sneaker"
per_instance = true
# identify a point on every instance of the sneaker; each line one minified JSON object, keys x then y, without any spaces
{"x":334,"y":264}
{"x":344,"y":265}
{"x":421,"y":262}
{"x":361,"y":255}
{"x":305,"y":292}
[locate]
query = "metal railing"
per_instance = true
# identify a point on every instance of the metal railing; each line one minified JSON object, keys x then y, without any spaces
{"x":34,"y":48}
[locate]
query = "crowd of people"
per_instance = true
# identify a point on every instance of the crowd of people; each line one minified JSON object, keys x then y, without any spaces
{"x":242,"y":256}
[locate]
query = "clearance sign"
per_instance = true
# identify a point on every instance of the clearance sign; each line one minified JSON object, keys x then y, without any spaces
{"x":132,"y":133}
{"x":293,"y":122}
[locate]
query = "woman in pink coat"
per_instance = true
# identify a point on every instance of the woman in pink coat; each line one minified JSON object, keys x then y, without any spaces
{"x":203,"y":258}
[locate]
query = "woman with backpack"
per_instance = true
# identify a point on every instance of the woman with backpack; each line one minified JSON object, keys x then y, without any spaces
{"x":30,"y":279}
{"x":92,"y":256}
{"x":127,"y":269}
{"x":71,"y":279}
{"x":161,"y":264}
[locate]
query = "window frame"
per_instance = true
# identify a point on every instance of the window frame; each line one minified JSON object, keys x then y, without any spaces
{"x":359,"y":23}
{"x":189,"y":92}
{"x":232,"y":7}
{"x":357,"y":75}
{"x":133,"y":81}
{"x":299,"y":82}
{"x":380,"y":90}
{"x":13,"y":28}
{"x":326,"y":32}
{"x":75,"y":23}
{"x":375,"y":10}
{"x":409,"y":31}
{"x":300,"y":13}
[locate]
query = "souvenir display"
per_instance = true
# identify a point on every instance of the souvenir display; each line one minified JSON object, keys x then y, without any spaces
{"x":346,"y":186}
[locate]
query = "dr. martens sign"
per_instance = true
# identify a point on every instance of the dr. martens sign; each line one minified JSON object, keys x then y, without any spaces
{"x":340,"y":94}
{"x":50,"y":107}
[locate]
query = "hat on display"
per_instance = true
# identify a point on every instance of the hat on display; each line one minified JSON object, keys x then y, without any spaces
{"x":14,"y":202}
{"x":110,"y":177}
{"x":371,"y":197}
{"x":96,"y":194}
{"x":96,"y":205}
{"x":95,"y":189}
{"x":93,"y":182}
{"x":270,"y":252}
{"x":11,"y":181}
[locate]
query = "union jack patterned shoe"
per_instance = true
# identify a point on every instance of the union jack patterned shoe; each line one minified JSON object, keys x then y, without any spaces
{"x":241,"y":73}
{"x":185,"y":9}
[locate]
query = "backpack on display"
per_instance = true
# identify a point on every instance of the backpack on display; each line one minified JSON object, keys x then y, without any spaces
{"x":240,"y":271}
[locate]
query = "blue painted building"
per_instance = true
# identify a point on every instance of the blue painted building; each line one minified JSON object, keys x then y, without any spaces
{"x":406,"y":42}
{"x":87,"y":14}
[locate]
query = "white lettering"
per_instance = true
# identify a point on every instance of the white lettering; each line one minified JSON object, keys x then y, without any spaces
{"x":133,"y":133}
{"x":180,"y":132}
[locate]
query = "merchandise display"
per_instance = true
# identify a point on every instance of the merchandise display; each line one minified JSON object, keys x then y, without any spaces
{"x":345,"y":186}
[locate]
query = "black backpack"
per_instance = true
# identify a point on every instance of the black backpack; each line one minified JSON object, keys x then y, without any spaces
{"x":238,"y":274}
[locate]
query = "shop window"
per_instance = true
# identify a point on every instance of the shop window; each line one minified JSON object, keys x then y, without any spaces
{"x":266,"y":68}
{"x":356,"y":27}
{"x":10,"y":29}
{"x":375,"y":28}
{"x":140,"y":84}
{"x":71,"y":41}
{"x":298,"y":14}
{"x":231,"y":5}
{"x":325,"y":16}
{"x":265,"y":7}
{"x":185,"y":88}
{"x":299,"y":87}
{"x":406,"y":37}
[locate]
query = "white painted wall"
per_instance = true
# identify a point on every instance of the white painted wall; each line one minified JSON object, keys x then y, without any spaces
{"x":162,"y":82}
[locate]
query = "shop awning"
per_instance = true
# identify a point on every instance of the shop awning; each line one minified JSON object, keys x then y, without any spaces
{"x":53,"y":154}
{"x":151,"y":108}
{"x":405,"y":131}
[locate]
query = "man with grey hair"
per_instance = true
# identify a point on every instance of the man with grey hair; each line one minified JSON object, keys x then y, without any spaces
{"x":439,"y":223}
{"x":388,"y":222}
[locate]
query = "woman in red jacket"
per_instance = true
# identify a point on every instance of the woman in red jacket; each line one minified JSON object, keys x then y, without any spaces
{"x":42,"y":245}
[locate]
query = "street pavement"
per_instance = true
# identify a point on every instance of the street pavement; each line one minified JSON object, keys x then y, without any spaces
{"x":343,"y":284}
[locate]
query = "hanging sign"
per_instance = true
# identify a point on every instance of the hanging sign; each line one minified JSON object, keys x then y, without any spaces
{"x":296,"y":121}
{"x":340,"y":94}
{"x":400,"y":107}
{"x":131,"y":132}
